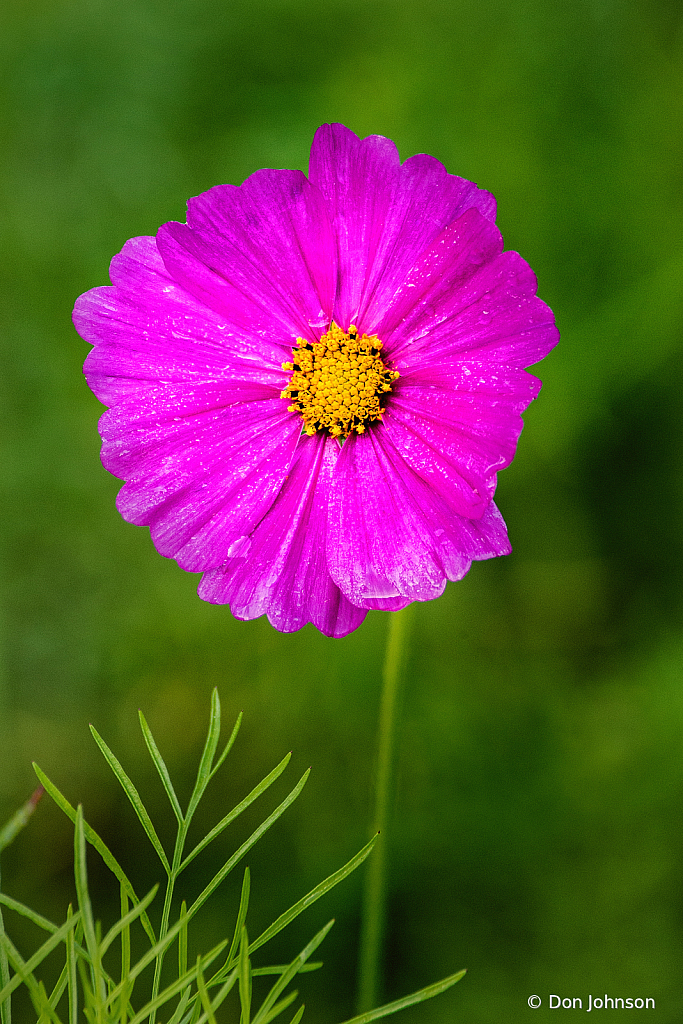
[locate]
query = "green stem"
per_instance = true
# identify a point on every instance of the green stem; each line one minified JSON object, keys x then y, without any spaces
{"x":374,"y":900}
{"x":181,"y":836}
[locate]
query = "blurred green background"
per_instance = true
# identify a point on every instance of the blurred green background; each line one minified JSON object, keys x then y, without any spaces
{"x":537,"y":836}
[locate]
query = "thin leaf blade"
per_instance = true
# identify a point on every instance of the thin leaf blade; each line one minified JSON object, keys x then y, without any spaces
{"x":25,"y":911}
{"x":174,"y":988}
{"x":256,"y":792}
{"x":281,"y":968}
{"x":125,"y":955}
{"x":245,"y":978}
{"x":125,"y":921}
{"x":208,"y":754}
{"x":85,"y":906}
{"x":204,"y":995}
{"x":334,"y":879}
{"x":280,"y":1007}
{"x":154,"y":952}
{"x":161,"y":768}
{"x":247,"y":845}
{"x":400,"y":1004}
{"x":6,"y":1004}
{"x":28,"y":967}
{"x":97,"y":843}
{"x":228,"y":746}
{"x":72,"y":981}
{"x":293,"y":969}
{"x":134,"y":797}
{"x":182,"y":941}
{"x":216,"y":1002}
{"x":241,"y":918}
{"x":20,"y":819}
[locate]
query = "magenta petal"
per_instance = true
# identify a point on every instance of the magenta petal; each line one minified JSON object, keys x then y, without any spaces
{"x":280,"y":569}
{"x":357,"y":179}
{"x":391,"y":535}
{"x":426,"y":201}
{"x":493,"y":314}
{"x":262,"y":255}
{"x":441,"y":269}
{"x":386,"y":604}
{"x":199,"y":434}
{"x":146,"y":329}
{"x":202,"y":484}
{"x":384,"y":214}
{"x":458,"y":425}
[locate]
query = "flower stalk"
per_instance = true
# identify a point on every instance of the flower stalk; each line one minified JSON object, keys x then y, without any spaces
{"x":373,"y":924}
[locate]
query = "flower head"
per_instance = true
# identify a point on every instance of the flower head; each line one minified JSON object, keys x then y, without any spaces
{"x":312,"y":384}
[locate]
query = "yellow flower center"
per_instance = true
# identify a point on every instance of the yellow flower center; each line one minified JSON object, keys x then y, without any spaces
{"x":339,"y":383}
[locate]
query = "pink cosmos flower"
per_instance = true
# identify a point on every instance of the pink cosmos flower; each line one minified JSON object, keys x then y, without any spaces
{"x":313,"y":383}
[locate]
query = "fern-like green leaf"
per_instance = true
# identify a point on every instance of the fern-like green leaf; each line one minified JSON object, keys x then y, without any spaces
{"x":98,"y":844}
{"x":245,"y":978}
{"x":194,"y":995}
{"x":247,"y":845}
{"x":26,"y":969}
{"x":315,"y":894}
{"x":228,"y":746}
{"x":25,"y":911}
{"x":134,"y":797}
{"x":293,"y":969}
{"x":204,"y":996}
{"x":236,"y":811}
{"x":208,"y":754}
{"x":85,"y":907}
{"x":241,"y":918}
{"x":160,"y":766}
{"x":280,"y":1007}
{"x":401,"y":1004}
{"x":127,"y":919}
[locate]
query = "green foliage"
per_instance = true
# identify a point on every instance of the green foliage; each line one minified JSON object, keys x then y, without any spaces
{"x":196,"y":992}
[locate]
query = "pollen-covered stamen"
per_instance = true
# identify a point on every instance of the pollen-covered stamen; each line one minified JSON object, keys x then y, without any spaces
{"x":339,"y":383}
